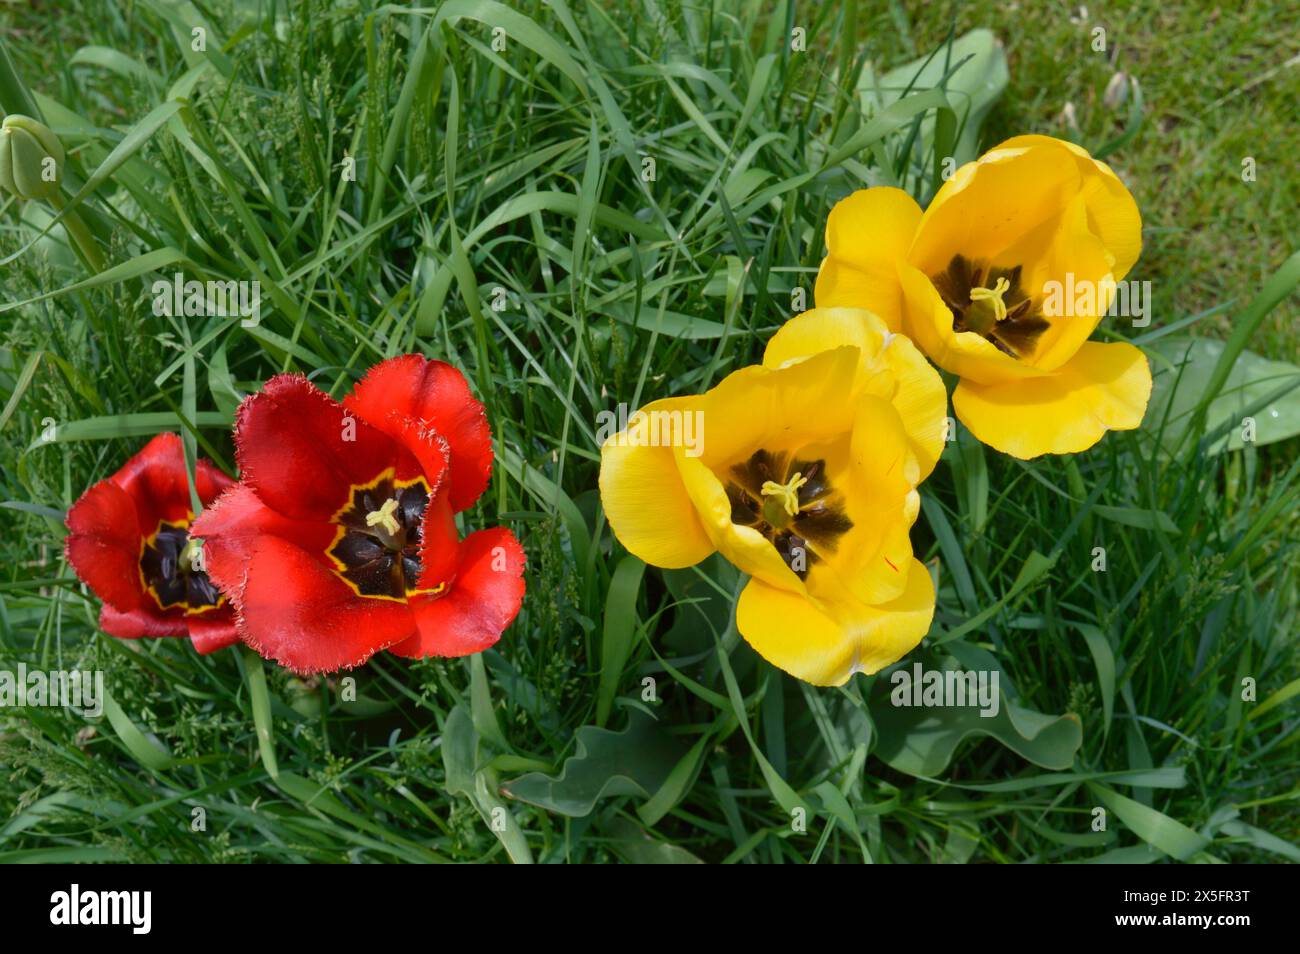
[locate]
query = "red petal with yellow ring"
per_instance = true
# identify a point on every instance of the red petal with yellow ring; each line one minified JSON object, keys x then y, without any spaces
{"x":304,"y":616}
{"x":436,"y":396}
{"x":485,"y":598}
{"x":302,"y":453}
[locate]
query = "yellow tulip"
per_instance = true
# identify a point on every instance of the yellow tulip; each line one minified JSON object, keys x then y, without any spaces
{"x":972,"y":281}
{"x":805,"y":478}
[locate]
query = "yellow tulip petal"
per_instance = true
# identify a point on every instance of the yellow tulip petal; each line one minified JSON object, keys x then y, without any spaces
{"x":921,"y":401}
{"x":871,"y":226}
{"x":890,"y":367}
{"x":839,"y":286}
{"x":745,"y":547}
{"x":778,"y":408}
{"x":826,"y":643}
{"x":1112,"y":212}
{"x":794,"y":635}
{"x":991,"y":203}
{"x":867,"y":234}
{"x":871,"y":560}
{"x":645,"y":500}
{"x":824,"y":329}
{"x":1103,"y":387}
{"x":1073,"y":264}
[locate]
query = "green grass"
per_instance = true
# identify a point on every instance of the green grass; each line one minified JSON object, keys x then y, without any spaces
{"x":522,"y":170}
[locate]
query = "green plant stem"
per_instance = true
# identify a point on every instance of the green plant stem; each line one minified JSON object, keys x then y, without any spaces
{"x":82,"y":240}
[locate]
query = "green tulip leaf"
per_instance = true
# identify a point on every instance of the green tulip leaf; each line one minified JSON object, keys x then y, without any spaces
{"x":1256,"y":388}
{"x":634,"y":761}
{"x":921,"y":740}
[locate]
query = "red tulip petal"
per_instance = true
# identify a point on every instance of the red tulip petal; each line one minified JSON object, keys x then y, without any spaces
{"x":428,"y":447}
{"x":439,"y":545}
{"x":212,"y":631}
{"x":141,"y":624}
{"x":232,"y":526}
{"x":481,"y":603}
{"x":437,"y":396}
{"x":293,"y":449}
{"x":155,"y":479}
{"x":209,"y":481}
{"x":305,"y":617}
{"x":104,"y":545}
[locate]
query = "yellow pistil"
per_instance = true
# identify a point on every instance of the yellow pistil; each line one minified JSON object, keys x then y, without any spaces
{"x":787,"y":492}
{"x":383,"y":517}
{"x":993,"y":295}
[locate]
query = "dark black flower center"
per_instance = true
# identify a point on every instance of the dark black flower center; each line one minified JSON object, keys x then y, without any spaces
{"x":991,"y":303}
{"x":790,"y":502}
{"x":377,"y":549}
{"x":167,"y":566}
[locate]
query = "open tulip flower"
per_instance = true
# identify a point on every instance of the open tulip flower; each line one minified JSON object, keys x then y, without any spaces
{"x":339,"y":541}
{"x":970,"y":279}
{"x":130,"y":542}
{"x":805,"y":479}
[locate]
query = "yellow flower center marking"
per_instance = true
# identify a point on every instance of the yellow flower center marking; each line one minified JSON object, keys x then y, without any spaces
{"x":788,"y":493}
{"x":994,"y":295}
{"x":383,"y":517}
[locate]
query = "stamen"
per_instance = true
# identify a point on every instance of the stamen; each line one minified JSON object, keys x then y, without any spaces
{"x":994,"y":295}
{"x":191,"y":556}
{"x":383,"y":517}
{"x":787,"y":492}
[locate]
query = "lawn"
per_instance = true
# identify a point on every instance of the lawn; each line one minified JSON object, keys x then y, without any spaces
{"x":587,"y":205}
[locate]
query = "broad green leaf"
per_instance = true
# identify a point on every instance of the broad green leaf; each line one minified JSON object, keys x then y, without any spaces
{"x":1279,"y":285}
{"x":485,"y":717}
{"x":459,"y":750}
{"x":1252,"y":379}
{"x":921,"y":740}
{"x":635,"y":761}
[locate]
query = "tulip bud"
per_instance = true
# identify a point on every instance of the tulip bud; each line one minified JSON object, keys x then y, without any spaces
{"x":1116,"y":91}
{"x":31,"y":158}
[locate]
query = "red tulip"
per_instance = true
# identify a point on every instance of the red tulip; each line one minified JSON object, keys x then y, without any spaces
{"x":129,"y":542}
{"x":339,"y":541}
